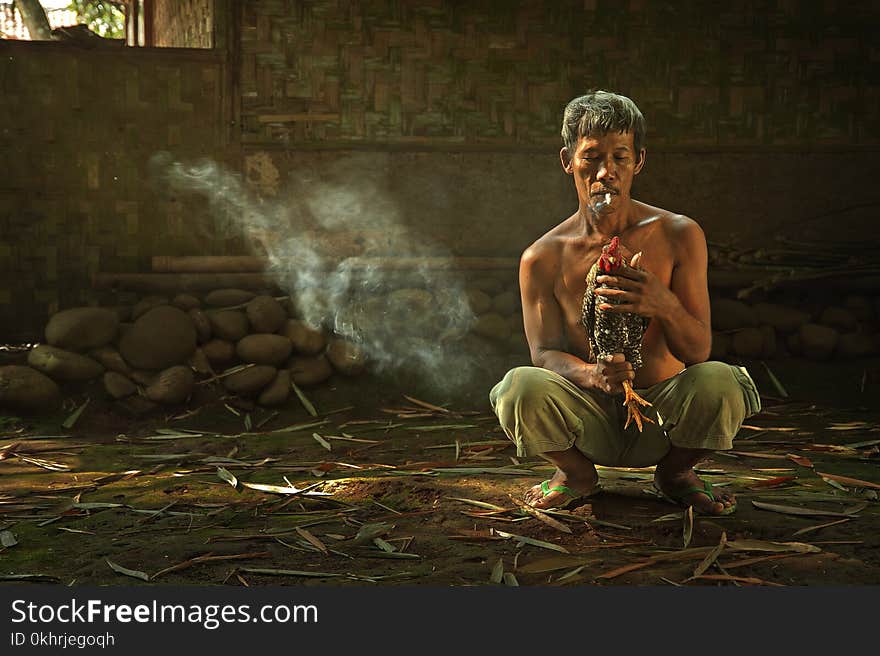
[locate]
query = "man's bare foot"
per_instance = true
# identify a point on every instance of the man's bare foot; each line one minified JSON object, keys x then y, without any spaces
{"x":673,"y":484}
{"x":580,"y":484}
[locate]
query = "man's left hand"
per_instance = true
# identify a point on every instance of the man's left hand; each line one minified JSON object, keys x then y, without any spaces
{"x":640,"y":291}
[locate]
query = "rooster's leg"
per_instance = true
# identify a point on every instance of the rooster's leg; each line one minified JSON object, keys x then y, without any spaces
{"x":632,"y":401}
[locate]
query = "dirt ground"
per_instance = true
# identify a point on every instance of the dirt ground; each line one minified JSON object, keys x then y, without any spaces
{"x":393,"y":492}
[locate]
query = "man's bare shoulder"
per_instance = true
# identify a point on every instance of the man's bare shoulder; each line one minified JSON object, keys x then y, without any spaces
{"x":545,"y":253}
{"x":679,"y":230}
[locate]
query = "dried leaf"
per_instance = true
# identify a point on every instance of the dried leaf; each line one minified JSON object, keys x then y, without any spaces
{"x":229,"y":477}
{"x":295,"y":428}
{"x":540,"y":515}
{"x":438,"y":427}
{"x":72,"y":419}
{"x":497,"y":572}
{"x":7,"y":539}
{"x":367,"y":532}
{"x":688,"y":528}
{"x":803,"y":461}
{"x":291,"y":490}
{"x":846,"y":480}
{"x":728,"y":577}
{"x":796,"y":510}
{"x":712,"y":556}
{"x":574,"y":572}
{"x":128,"y":572}
{"x":387,"y":547}
{"x":479,"y":504}
{"x":288,"y":572}
{"x":810,"y":529}
{"x":773,"y":379}
{"x":311,"y":539}
{"x":552,"y":563}
{"x":248,"y":424}
{"x":510,"y":579}
{"x":533,"y":542}
{"x":322,"y":441}
{"x":775,"y":547}
{"x":37,"y":578}
{"x":302,"y":399}
{"x":425,"y":404}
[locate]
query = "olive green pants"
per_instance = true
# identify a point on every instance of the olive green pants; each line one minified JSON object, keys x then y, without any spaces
{"x":700,"y":408}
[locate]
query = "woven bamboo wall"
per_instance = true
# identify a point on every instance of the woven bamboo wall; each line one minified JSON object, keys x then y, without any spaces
{"x":78,"y":130}
{"x":183,"y":23}
{"x":744,"y":72}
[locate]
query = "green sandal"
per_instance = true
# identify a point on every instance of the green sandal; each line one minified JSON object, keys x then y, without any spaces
{"x":678,"y":499}
{"x":574,"y":499}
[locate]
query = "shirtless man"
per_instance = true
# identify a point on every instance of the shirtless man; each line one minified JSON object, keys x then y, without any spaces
{"x":567,"y":408}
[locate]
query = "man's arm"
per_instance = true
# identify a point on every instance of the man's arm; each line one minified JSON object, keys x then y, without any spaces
{"x":687,"y":324}
{"x":543,"y":322}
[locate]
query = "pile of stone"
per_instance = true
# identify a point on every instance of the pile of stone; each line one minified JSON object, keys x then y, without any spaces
{"x":849,"y":329}
{"x":495,"y":300}
{"x":159,"y":349}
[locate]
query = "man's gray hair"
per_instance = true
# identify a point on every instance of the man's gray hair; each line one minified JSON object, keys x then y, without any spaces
{"x":601,"y":112}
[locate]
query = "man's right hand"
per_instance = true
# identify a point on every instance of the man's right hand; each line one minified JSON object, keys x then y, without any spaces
{"x":608,"y":374}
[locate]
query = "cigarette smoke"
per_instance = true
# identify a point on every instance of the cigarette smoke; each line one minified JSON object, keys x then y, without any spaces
{"x":406,"y":321}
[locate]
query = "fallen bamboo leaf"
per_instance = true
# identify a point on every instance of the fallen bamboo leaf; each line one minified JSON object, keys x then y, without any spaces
{"x":248,"y":423}
{"x":72,"y":419}
{"x":322,"y":441}
{"x":776,"y":547}
{"x":810,"y":529}
{"x":291,"y":490}
{"x":302,"y":399}
{"x":36,"y":578}
{"x":533,"y":542}
{"x":712,"y":556}
{"x":119,"y":569}
{"x":45,"y":464}
{"x":626,"y":569}
{"x":796,"y":510}
{"x":7,"y":539}
{"x":846,"y":480}
{"x":538,"y":514}
{"x":483,"y":470}
{"x":387,"y":547}
{"x":288,"y":572}
{"x":295,"y":428}
{"x":227,"y":476}
{"x":479,"y":504}
{"x":209,"y":558}
{"x":367,"y":532}
{"x":510,"y":579}
{"x":773,"y":482}
{"x":75,"y":530}
{"x":311,"y":539}
{"x":392,"y":555}
{"x":425,"y":404}
{"x":668,"y":518}
{"x":688,"y":528}
{"x":96,"y":505}
{"x":776,"y":383}
{"x":759,"y":559}
{"x":438,"y":427}
{"x":803,"y":461}
{"x":574,"y":572}
{"x":728,"y":577}
{"x":552,"y":564}
{"x":497,"y":572}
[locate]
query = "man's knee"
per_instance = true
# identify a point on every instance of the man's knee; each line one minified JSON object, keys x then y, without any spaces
{"x":713,"y":385}
{"x":520,"y":387}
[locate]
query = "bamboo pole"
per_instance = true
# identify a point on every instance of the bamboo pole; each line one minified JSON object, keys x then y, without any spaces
{"x":247,"y":263}
{"x":180,"y":282}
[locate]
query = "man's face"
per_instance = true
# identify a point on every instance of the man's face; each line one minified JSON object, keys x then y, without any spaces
{"x":601,"y":164}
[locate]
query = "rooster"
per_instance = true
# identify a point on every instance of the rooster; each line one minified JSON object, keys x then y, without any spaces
{"x":611,"y":332}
